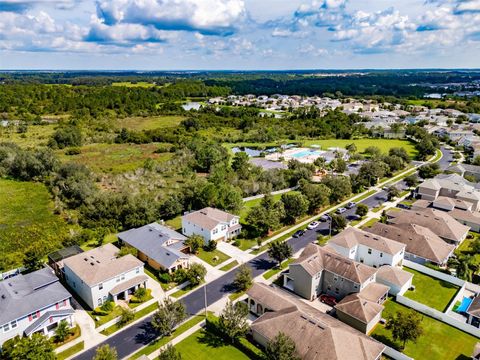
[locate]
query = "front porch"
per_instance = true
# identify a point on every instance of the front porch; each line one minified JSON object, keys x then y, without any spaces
{"x":48,"y":322}
{"x":124,"y":290}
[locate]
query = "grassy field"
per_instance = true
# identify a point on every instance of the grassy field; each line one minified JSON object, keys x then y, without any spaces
{"x":36,"y":135}
{"x":429,"y":291}
{"x":270,"y":273}
{"x":247,"y":205}
{"x":205,"y":345}
{"x":143,"y":84}
{"x":383,"y":144}
{"x":439,"y":340}
{"x":149,"y":122}
{"x":229,"y":266}
{"x":116,"y":158}
{"x":26,"y":216}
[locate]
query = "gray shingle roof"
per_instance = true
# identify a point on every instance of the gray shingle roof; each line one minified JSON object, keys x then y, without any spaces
{"x":158,"y":242}
{"x":37,"y":324}
{"x":22,"y":295}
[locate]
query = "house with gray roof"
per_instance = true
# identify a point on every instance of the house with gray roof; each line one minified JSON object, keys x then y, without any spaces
{"x":317,"y":336}
{"x":31,"y":303}
{"x":466,"y":170}
{"x":211,"y":224}
{"x":320,"y":270}
{"x":159,"y":246}
{"x":101,"y":274}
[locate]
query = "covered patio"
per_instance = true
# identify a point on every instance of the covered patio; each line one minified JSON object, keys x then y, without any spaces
{"x":123,"y":290}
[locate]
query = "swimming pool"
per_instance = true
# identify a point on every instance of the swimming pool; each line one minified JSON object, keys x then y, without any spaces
{"x":307,"y":152}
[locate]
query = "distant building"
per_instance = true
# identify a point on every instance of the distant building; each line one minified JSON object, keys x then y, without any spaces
{"x":211,"y":224}
{"x":33,"y":303}
{"x":100,"y":275}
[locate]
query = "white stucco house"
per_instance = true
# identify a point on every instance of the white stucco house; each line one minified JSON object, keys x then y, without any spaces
{"x":100,"y":275}
{"x":367,"y":248}
{"x":33,"y":303}
{"x":211,"y":224}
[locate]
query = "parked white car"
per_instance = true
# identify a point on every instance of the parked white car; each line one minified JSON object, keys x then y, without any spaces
{"x":313,"y":225}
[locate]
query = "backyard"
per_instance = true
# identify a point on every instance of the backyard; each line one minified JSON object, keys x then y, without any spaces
{"x":439,"y":340}
{"x":429,"y":291}
{"x":213,"y":258}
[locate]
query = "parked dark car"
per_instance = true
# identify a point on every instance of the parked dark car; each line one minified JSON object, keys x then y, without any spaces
{"x":403,"y":206}
{"x":329,"y":300}
{"x":298,"y":233}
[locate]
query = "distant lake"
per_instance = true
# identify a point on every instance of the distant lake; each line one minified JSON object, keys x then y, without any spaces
{"x":191,"y":105}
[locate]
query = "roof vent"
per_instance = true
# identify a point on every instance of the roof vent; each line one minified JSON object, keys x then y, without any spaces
{"x":92,"y":263}
{"x":3,"y":296}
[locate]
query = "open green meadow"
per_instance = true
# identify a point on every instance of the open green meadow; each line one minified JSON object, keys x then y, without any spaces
{"x":143,"y":84}
{"x":116,"y":158}
{"x":36,"y":135}
{"x":149,"y":122}
{"x":27,"y":217}
{"x":383,"y":144}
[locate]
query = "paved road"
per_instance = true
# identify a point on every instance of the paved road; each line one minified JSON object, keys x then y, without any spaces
{"x":446,"y":159}
{"x":133,"y":338}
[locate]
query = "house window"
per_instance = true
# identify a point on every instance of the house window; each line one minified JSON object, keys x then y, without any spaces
{"x":13,"y":324}
{"x":224,"y":227}
{"x":117,"y":279}
{"x":6,"y":327}
{"x":34,"y":316}
{"x":99,"y":301}
{"x":369,"y":251}
{"x":105,"y":298}
{"x":100,"y":286}
{"x":137,"y":270}
{"x":123,"y":276}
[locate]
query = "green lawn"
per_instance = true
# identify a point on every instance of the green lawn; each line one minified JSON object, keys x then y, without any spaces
{"x":370,"y":223}
{"x":150,"y":122}
{"x":27,"y":217}
{"x":229,"y":266}
{"x":116,"y":158}
{"x":183,"y":291}
{"x":383,"y":144}
{"x":139,"y":314}
{"x":439,"y":340}
{"x":276,"y":270}
{"x":429,"y":291}
{"x":205,"y":345}
{"x":71,"y":351}
{"x":208,"y":256}
{"x":157,"y":344}
{"x":117,"y":310}
{"x":175,"y":223}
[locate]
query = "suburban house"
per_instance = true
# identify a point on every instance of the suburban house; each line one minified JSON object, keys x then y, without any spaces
{"x":466,"y":170}
{"x":211,"y":224}
{"x":31,"y":303}
{"x":100,"y":275}
{"x":366,"y":248}
{"x":473,"y":312}
{"x":452,"y":186}
{"x":55,"y":259}
{"x":319,"y":270}
{"x":439,"y":222}
{"x":159,"y":246}
{"x":398,"y":280}
{"x":317,"y":336}
{"x":363,"y":310}
{"x":422,"y":244}
{"x":458,"y":209}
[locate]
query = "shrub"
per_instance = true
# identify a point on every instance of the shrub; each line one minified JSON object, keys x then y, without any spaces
{"x":73,"y":151}
{"x":180,"y":276}
{"x":126,"y":316}
{"x":141,"y":295}
{"x":107,"y":306}
{"x":211,"y":246}
{"x":165,"y":278}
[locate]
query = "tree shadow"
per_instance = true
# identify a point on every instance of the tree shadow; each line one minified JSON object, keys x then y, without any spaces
{"x":227,"y":288}
{"x":262,"y":264}
{"x":387,"y":341}
{"x":463,"y":357}
{"x":147,"y":334}
{"x":210,"y":339}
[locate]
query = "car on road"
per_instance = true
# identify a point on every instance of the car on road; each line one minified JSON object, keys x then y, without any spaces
{"x":341,"y":210}
{"x":351,"y":204}
{"x":313,"y":225}
{"x":298,"y":233}
{"x":329,"y":300}
{"x":325,"y":218}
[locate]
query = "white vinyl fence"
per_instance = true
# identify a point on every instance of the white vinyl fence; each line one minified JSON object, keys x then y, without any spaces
{"x":438,"y":315}
{"x":394,"y":354}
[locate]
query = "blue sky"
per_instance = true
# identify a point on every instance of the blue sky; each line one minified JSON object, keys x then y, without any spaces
{"x":239,"y":34}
